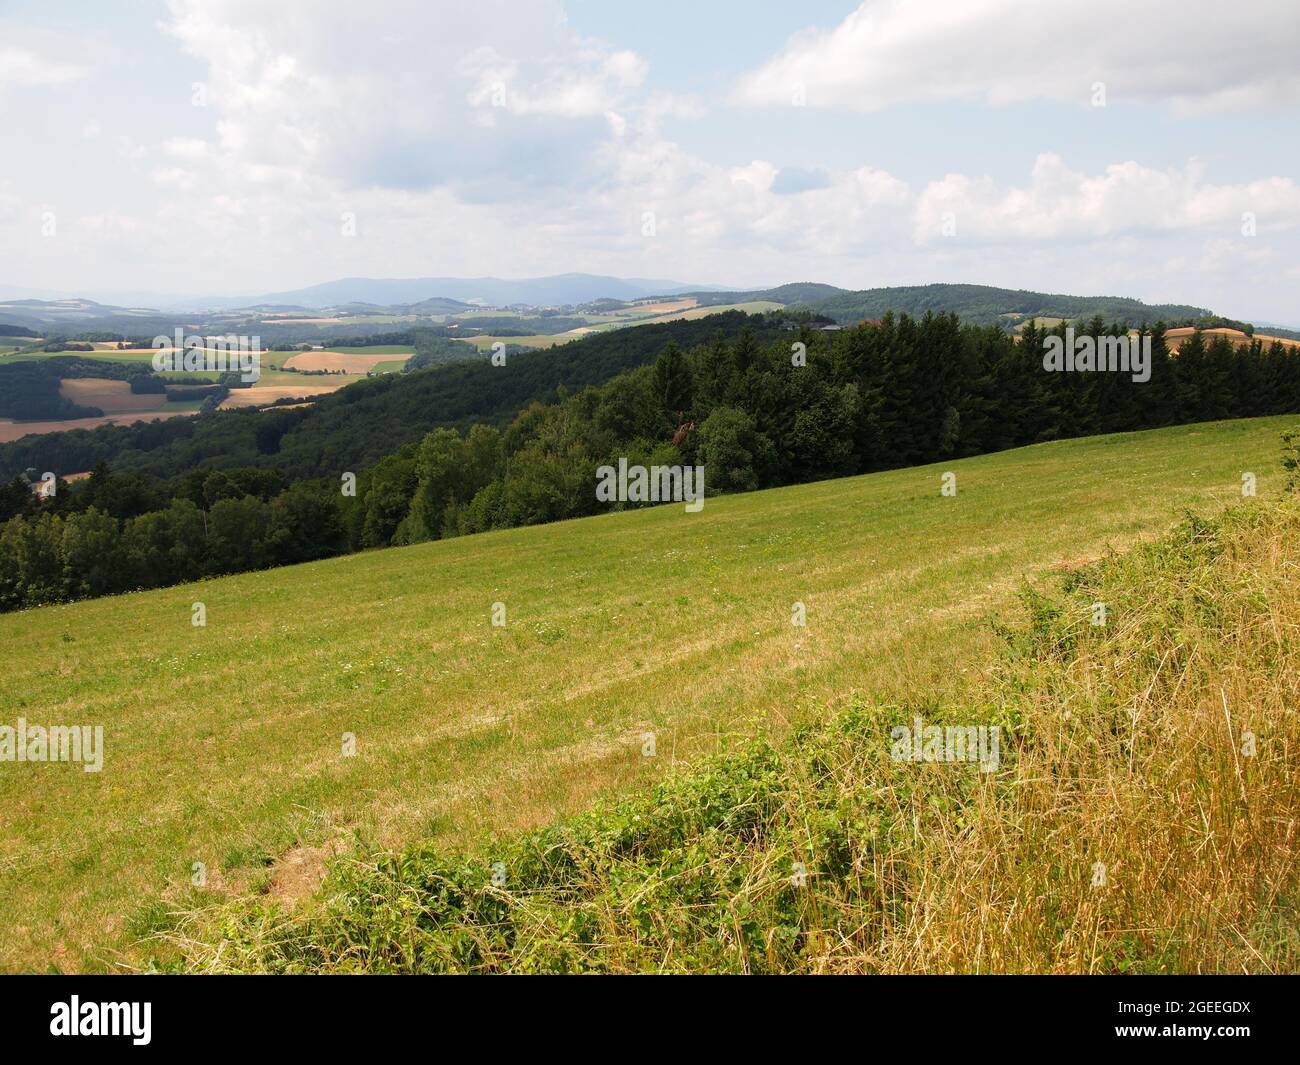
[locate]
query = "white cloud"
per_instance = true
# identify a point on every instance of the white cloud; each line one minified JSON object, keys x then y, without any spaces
{"x":1062,"y":204}
{"x":494,"y":91}
{"x":1185,"y":54}
{"x":24,"y":68}
{"x":186,"y":147}
{"x":10,"y":204}
{"x":495,"y":139}
{"x":173,"y":175}
{"x":584,"y":82}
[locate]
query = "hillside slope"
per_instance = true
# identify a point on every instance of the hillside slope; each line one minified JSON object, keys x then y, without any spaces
{"x":648,"y":621}
{"x":1135,"y":815}
{"x":987,"y":305}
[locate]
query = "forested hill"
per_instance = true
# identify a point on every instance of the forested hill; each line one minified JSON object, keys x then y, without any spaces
{"x":803,"y":293}
{"x":360,"y":424}
{"x":755,"y":414}
{"x":985,"y":305}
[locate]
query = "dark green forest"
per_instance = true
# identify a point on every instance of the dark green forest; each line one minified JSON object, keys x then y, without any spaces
{"x":470,"y":447}
{"x":360,"y":424}
{"x":976,"y":304}
{"x":982,"y":305}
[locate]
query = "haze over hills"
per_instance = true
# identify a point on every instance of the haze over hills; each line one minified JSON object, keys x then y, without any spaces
{"x":68,"y":315}
{"x":488,"y":291}
{"x":560,"y":288}
{"x":485,"y":291}
{"x":982,"y":304}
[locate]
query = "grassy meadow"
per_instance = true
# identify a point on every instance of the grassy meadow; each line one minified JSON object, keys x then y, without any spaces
{"x":224,"y":744}
{"x":1136,"y":815}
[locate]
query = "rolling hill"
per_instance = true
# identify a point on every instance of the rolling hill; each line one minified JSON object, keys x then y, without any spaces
{"x":981,"y":304}
{"x":1120,"y":775}
{"x":653,"y":621}
{"x":489,"y":291}
{"x":997,"y":306}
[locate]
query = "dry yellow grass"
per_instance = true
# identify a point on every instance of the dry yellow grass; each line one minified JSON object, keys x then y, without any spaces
{"x":667,"y":306}
{"x":12,"y":430}
{"x":1152,"y":819}
{"x":112,"y":397}
{"x":265,"y":395}
{"x":1174,"y":338}
{"x":340,"y":360}
{"x":751,"y":307}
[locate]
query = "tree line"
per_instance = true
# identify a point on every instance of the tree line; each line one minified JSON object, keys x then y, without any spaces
{"x":808,"y":405}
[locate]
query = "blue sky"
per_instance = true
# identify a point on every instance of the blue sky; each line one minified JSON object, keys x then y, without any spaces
{"x":234,"y":146}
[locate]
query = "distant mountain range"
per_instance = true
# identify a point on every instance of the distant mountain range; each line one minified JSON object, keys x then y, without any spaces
{"x":70,"y":315}
{"x":558,"y":290}
{"x":374,"y":298}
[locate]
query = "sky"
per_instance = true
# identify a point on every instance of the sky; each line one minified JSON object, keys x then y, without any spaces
{"x":1144,"y":148}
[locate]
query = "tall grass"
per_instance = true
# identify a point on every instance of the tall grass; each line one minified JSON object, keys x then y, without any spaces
{"x":1143,"y":817}
{"x":1149,"y":822}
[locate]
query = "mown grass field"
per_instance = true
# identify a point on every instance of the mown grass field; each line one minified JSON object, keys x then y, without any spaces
{"x":224,"y":743}
{"x":484,"y":341}
{"x":1137,"y":815}
{"x":127,"y":355}
{"x":347,"y":361}
{"x":11,"y":430}
{"x":750,"y":307}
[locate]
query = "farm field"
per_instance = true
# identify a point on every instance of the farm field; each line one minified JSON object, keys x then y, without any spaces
{"x":108,"y":353}
{"x":263,"y":394}
{"x":535,"y":340}
{"x":751,"y":307}
{"x":662,"y":306}
{"x":352,"y":363}
{"x":1175,"y":337}
{"x":122,"y":407}
{"x":351,"y":319}
{"x":355,"y":360}
{"x":223,"y":743}
{"x":115,"y":397}
{"x":112,"y":397}
{"x":662,"y":312}
{"x":144,"y":355}
{"x":11,"y":430}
